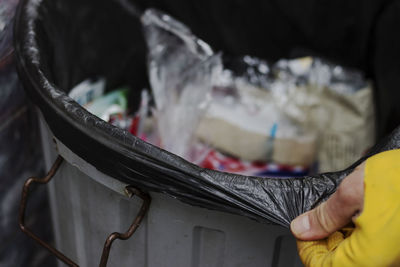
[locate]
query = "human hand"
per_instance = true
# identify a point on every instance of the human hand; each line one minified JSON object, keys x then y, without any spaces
{"x":370,"y":197}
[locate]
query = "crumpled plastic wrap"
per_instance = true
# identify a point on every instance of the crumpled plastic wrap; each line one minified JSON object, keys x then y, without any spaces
{"x":182,"y":70}
{"x":116,"y":152}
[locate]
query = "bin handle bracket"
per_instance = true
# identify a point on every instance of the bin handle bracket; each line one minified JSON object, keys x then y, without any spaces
{"x":110,"y":239}
{"x":132,"y":229}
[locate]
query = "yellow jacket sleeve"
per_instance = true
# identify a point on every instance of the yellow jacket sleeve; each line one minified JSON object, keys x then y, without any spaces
{"x":375,"y":240}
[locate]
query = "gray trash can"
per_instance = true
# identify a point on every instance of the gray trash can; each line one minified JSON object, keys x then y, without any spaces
{"x":88,"y":205}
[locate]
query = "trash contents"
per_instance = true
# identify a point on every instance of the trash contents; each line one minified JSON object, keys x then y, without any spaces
{"x":110,"y":104}
{"x":216,"y":160}
{"x":333,"y":101}
{"x":243,"y":120}
{"x":289,"y":118}
{"x":112,"y":107}
{"x":87,"y":91}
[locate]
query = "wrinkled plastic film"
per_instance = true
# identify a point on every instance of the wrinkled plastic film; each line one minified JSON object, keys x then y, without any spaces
{"x":181,"y":70}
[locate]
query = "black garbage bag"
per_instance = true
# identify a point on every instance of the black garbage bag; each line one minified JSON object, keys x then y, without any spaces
{"x":59,"y":43}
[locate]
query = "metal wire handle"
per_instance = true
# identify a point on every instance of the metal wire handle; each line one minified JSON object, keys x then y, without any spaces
{"x":110,"y":239}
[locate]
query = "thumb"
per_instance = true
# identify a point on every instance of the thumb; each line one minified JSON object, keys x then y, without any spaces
{"x":336,"y":212}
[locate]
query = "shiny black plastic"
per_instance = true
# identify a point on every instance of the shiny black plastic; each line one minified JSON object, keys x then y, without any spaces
{"x":59,"y":43}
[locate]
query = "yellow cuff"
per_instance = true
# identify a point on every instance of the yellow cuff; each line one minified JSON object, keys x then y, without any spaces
{"x":376,"y":239}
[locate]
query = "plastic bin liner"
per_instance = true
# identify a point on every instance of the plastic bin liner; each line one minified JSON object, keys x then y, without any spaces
{"x":60,"y":43}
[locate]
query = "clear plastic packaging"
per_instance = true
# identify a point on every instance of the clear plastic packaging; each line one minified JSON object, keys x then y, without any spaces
{"x":182,"y":70}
